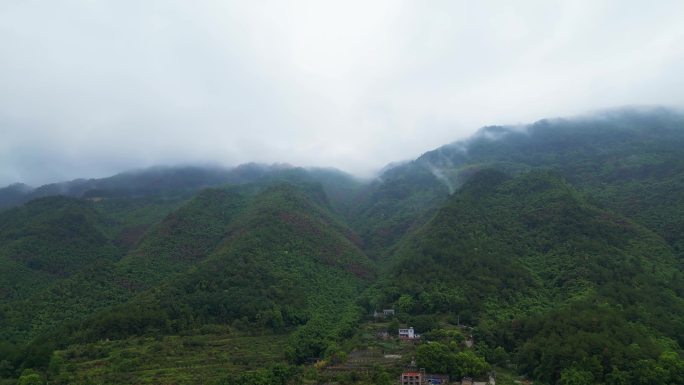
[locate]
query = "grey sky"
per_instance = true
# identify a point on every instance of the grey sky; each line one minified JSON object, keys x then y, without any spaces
{"x":90,"y":88}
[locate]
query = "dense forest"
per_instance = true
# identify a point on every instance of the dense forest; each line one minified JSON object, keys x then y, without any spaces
{"x":551,"y":252}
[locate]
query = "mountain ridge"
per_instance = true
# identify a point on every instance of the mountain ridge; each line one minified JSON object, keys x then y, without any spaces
{"x":557,"y":245}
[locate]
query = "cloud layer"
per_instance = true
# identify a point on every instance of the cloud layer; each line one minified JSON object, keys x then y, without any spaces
{"x":90,"y":88}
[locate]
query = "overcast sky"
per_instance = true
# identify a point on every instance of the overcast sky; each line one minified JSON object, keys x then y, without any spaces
{"x":91,"y":88}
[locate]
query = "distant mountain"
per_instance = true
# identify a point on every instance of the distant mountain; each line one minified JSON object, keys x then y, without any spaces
{"x":14,"y":194}
{"x":155,"y":181}
{"x":628,"y":160}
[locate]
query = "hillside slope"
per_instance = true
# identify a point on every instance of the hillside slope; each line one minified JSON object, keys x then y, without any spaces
{"x":270,"y":259}
{"x":46,"y":240}
{"x":512,"y":254}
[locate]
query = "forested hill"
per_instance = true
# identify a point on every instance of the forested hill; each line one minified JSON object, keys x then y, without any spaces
{"x":48,"y":239}
{"x":262,"y":259}
{"x":627,"y":160}
{"x":514,"y":254}
{"x":559,"y":246}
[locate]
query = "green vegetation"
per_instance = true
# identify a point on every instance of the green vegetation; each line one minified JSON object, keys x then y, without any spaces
{"x":552,"y":251}
{"x":47,"y":239}
{"x":544,"y":275}
{"x":204,"y":355}
{"x":438,"y":358}
{"x":263,"y":260}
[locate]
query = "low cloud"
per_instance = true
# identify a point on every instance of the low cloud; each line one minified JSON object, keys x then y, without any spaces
{"x":88,"y":89}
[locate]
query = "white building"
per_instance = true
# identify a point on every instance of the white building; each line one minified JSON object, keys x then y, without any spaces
{"x":408,"y":333}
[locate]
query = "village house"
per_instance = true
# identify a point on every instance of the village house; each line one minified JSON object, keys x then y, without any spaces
{"x":386,"y":313}
{"x":412,"y":378}
{"x":466,"y":381}
{"x":408,"y":334}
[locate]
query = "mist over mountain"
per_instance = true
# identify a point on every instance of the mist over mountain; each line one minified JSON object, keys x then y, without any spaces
{"x":160,"y":180}
{"x":342,"y":192}
{"x":556,"y":248}
{"x":90,"y":89}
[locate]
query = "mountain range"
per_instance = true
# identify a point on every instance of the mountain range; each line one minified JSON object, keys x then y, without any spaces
{"x":558,"y":247}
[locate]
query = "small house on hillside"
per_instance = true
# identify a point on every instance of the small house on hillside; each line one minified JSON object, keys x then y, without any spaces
{"x":386,"y":313}
{"x":466,"y":381}
{"x":408,"y":334}
{"x":412,"y":378}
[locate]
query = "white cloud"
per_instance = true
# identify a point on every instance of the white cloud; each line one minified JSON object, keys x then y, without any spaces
{"x":88,"y":88}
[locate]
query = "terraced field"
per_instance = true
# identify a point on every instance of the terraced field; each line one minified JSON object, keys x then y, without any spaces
{"x":202,"y":358}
